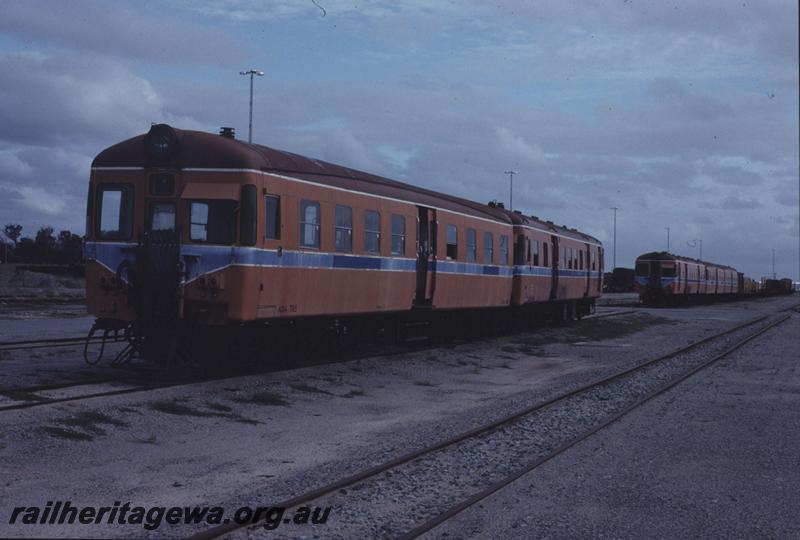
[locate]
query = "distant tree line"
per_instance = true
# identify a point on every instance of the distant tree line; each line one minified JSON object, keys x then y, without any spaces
{"x":66,"y":248}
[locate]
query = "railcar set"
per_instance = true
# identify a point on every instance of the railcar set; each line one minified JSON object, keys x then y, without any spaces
{"x":666,"y":279}
{"x":193,"y":235}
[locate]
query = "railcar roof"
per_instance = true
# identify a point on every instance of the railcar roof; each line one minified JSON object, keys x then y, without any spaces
{"x":201,"y":150}
{"x":664,"y":256}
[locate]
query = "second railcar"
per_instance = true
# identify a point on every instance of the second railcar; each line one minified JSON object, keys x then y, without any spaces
{"x":665,"y":278}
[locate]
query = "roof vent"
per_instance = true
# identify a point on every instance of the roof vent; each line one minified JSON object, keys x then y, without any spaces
{"x":228,"y":132}
{"x":496,"y":204}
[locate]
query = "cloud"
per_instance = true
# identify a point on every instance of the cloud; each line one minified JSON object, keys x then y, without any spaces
{"x":732,"y":202}
{"x":116,"y":30}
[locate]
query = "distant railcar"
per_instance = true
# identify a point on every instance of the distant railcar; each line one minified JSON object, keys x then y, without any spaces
{"x":664,"y":278}
{"x":190,"y":232}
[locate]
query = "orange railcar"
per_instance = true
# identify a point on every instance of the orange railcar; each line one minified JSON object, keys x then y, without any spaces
{"x":191,"y":229}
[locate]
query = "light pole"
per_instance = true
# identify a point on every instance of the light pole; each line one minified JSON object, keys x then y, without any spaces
{"x":511,"y":189}
{"x":695,"y":243}
{"x":667,"y":238}
{"x":251,"y":72}
{"x":614,"y":208}
{"x":774,"y":275}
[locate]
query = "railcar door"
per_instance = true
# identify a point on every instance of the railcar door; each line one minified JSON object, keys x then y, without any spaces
{"x":587,"y":258}
{"x":554,"y":268}
{"x":426,"y":256}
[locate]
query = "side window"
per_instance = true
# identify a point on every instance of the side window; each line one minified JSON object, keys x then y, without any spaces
{"x":273,"y":205}
{"x":471,"y":245}
{"x":535,"y":253}
{"x":503,"y":249}
{"x":116,"y":212}
{"x":398,"y":235}
{"x":580,"y":259}
{"x":488,"y":248}
{"x":452,"y":242}
{"x":344,"y":228}
{"x":545,"y":258}
{"x":309,"y":224}
{"x":372,"y":231}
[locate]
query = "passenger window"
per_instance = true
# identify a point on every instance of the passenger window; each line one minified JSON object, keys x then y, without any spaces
{"x":372,"y":231}
{"x":309,"y":224}
{"x":580,"y":261}
{"x":213,"y":222}
{"x":503,"y":249}
{"x":545,"y":255}
{"x":273,"y":205}
{"x":162,"y":216}
{"x":452,"y":242}
{"x":535,"y":253}
{"x":488,"y":248}
{"x":471,"y":245}
{"x":116,"y":212}
{"x":344,"y":228}
{"x":398,"y":235}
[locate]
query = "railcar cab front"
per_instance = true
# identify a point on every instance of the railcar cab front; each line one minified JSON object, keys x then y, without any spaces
{"x":156,"y":230}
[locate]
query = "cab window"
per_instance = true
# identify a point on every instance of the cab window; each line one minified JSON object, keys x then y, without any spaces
{"x":115,"y":212}
{"x":212,"y":222}
{"x":162,"y":216}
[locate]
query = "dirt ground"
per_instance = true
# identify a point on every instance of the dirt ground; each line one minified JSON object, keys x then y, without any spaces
{"x":259,"y":439}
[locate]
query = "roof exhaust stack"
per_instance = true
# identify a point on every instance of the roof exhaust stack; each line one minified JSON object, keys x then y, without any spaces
{"x":227,"y":132}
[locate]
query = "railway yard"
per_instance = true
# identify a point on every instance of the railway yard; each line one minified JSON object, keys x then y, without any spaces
{"x":632,"y":422}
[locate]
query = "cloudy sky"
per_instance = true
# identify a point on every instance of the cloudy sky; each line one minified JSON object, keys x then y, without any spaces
{"x":684,"y":114}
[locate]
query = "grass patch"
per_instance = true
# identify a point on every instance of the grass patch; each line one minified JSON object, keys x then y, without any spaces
{"x":590,"y":330}
{"x":308,"y":388}
{"x":68,"y":434}
{"x":178,"y":409}
{"x":264,"y":398}
{"x":21,"y":395}
{"x":218,"y":406}
{"x":90,"y":421}
{"x":149,"y":440}
{"x":218,"y":411}
{"x":128,"y":410}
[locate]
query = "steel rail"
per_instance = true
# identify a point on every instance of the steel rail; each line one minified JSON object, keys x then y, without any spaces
{"x":221,"y":530}
{"x":56,"y":342}
{"x":457,"y":509}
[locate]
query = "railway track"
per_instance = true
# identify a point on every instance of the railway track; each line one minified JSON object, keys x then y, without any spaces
{"x":55,"y":342}
{"x":27,"y":397}
{"x":515,"y":434}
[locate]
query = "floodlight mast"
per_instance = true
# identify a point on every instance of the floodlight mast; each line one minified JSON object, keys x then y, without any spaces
{"x":252,"y":73}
